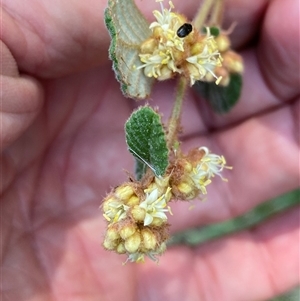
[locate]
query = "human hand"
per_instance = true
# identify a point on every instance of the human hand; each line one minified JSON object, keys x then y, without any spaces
{"x":63,"y":148}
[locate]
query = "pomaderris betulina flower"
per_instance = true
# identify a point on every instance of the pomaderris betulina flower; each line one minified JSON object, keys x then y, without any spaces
{"x":177,"y":47}
{"x":194,"y":172}
{"x":136,"y":214}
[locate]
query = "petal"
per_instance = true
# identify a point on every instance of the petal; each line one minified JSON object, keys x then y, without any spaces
{"x":148,"y":219}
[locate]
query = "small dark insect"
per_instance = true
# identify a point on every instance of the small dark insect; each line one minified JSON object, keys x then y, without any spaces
{"x":184,"y":30}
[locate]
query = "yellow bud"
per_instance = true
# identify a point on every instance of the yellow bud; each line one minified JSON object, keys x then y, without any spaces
{"x":148,"y":46}
{"x":138,"y":213}
{"x":107,"y":201}
{"x":134,"y":200}
{"x":222,"y":72}
{"x":185,"y":188}
{"x":188,"y":167}
{"x":197,"y":48}
{"x":157,"y":32}
{"x":157,"y":222}
{"x":165,"y":73}
{"x":223,"y":42}
{"x":133,"y":242}
{"x":224,"y":81}
{"x":233,"y":62}
{"x":149,"y":239}
{"x":112,"y":234}
{"x":109,"y":244}
{"x":127,"y":230}
{"x":121,"y":248}
{"x":124,"y":192}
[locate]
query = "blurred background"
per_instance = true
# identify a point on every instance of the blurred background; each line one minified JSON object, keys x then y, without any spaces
{"x":252,"y":218}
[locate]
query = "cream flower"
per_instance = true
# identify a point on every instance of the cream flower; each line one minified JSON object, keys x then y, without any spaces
{"x":167,"y":52}
{"x":155,"y":205}
{"x":205,"y":61}
{"x":164,"y":18}
{"x":114,"y":211}
{"x":139,"y":257}
{"x":165,"y":29}
{"x":209,"y":166}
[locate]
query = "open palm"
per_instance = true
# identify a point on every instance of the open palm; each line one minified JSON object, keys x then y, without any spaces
{"x":63,"y":149}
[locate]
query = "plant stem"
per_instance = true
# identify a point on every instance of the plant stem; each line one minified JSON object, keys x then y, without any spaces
{"x":202,"y":13}
{"x":217,"y":13}
{"x":199,"y":21}
{"x":176,"y":112}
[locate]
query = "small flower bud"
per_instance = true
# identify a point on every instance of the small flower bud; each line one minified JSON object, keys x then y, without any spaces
{"x":165,"y":73}
{"x":138,"y":213}
{"x":223,"y":42}
{"x":107,"y":201}
{"x":109,"y":244}
{"x":133,"y":242}
{"x":157,"y":32}
{"x":127,"y":230}
{"x":133,"y":200}
{"x":157,"y":222}
{"x":148,"y":46}
{"x":112,"y":234}
{"x":124,"y":192}
{"x":185,"y":188}
{"x":149,"y":239}
{"x":233,"y":62}
{"x":197,"y":48}
{"x":224,"y":74}
{"x":121,"y":248}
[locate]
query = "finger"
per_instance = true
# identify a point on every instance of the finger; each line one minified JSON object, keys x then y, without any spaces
{"x":57,"y":38}
{"x":279,"y":49}
{"x":21,"y":99}
{"x":248,"y":16}
{"x":250,"y":265}
{"x":272,"y":72}
{"x":264,"y":153}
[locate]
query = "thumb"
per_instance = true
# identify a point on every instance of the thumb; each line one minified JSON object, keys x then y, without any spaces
{"x":21,"y":99}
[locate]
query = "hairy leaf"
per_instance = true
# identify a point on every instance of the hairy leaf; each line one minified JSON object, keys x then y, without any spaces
{"x":221,"y":99}
{"x":146,"y":140}
{"x":128,"y":29}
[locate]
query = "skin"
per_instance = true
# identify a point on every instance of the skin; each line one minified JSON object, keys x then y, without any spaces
{"x":63,"y":148}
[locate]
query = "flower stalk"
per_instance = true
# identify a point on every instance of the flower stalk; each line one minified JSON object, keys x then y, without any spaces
{"x":203,"y":13}
{"x":174,"y":121}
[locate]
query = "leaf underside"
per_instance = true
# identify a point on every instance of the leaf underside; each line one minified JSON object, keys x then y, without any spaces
{"x":146,"y":140}
{"x":128,"y":29}
{"x":221,"y":99}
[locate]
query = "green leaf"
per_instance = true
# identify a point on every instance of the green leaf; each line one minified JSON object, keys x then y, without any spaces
{"x":221,"y":99}
{"x":128,"y":29}
{"x":146,"y":140}
{"x":214,"y":31}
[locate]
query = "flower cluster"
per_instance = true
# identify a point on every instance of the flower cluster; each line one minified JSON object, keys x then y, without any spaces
{"x":194,"y":172}
{"x":137,"y":220}
{"x":137,"y":212}
{"x":232,"y":61}
{"x":176,"y":47}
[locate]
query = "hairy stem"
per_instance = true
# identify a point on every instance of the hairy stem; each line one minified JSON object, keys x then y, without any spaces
{"x":217,"y":13}
{"x":202,"y":13}
{"x":174,"y":121}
